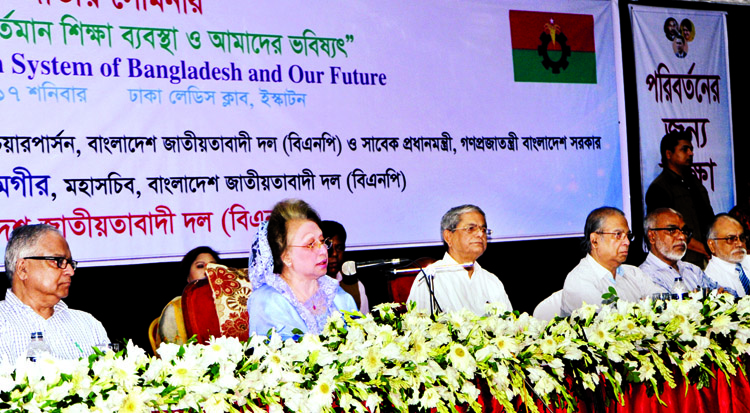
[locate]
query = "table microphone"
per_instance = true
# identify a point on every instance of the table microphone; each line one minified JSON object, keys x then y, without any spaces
{"x":350,"y":267}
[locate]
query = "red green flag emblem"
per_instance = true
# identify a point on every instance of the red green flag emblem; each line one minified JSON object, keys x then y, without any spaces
{"x":553,"y":47}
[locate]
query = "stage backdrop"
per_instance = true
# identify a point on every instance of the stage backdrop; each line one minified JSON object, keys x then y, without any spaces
{"x":683,"y":84}
{"x":143,"y":128}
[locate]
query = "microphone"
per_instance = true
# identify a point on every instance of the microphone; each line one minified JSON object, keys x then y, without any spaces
{"x":434,"y":268}
{"x":350,"y":267}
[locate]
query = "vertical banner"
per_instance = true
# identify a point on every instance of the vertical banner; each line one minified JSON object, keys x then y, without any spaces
{"x":683,"y":84}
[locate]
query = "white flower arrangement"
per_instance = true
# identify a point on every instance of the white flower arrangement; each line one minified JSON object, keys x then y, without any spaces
{"x":404,"y":360}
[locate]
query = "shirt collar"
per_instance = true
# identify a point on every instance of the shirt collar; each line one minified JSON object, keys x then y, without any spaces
{"x":726,"y":265}
{"x":601,"y":271}
{"x":450,"y":261}
{"x":14,"y":301}
{"x":673,"y":174}
{"x":659,"y":264}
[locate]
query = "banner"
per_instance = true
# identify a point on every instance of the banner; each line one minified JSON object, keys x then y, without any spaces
{"x":143,"y":128}
{"x":683,"y":84}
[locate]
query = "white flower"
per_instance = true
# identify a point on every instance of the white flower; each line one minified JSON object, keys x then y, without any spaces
{"x":430,"y":398}
{"x":320,"y":395}
{"x":507,"y":347}
{"x":722,"y":324}
{"x":216,"y":403}
{"x":418,"y":350}
{"x":223,"y":349}
{"x":371,"y":362}
{"x":184,"y":373}
{"x":743,"y":306}
{"x":168,"y":351}
{"x":461,"y":359}
{"x":558,"y":366}
{"x":544,"y":383}
{"x":691,"y":358}
{"x":548,"y":345}
{"x":599,"y":334}
{"x":585,"y":312}
{"x":646,"y":371}
{"x":373,"y":401}
{"x":135,"y":401}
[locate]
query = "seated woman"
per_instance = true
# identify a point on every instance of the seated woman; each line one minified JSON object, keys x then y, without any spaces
{"x":192,"y":266}
{"x":288,"y":264}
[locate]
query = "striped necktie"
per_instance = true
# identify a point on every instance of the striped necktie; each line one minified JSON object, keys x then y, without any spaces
{"x":743,"y":279}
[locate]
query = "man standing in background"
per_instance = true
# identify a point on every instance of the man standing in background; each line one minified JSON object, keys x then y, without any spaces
{"x":677,"y":188}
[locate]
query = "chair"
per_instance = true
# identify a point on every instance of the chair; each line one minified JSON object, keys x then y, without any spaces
{"x":199,"y":311}
{"x":231,"y":288}
{"x":217,"y":304}
{"x":549,"y":307}
{"x":399,"y":286}
{"x":153,"y":334}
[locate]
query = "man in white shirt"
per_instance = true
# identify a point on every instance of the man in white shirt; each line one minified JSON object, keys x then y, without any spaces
{"x":39,"y":267}
{"x":606,"y":243}
{"x":459,"y":281}
{"x":729,"y":265}
{"x":667,"y":238}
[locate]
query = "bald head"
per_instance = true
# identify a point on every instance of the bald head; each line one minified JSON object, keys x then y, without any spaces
{"x":726,"y":239}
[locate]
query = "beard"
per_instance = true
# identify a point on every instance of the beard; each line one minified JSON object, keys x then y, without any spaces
{"x":737,"y":255}
{"x":670,"y":252}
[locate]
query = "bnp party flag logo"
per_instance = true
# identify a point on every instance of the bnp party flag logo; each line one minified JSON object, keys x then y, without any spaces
{"x":553,"y":47}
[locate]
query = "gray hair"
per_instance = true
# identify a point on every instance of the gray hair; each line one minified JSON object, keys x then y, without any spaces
{"x":450,"y":219}
{"x":22,"y":242}
{"x":650,"y":222}
{"x":595,"y":222}
{"x":719,"y":217}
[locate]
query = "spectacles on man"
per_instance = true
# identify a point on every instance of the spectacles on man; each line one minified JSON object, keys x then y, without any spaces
{"x":473,"y":229}
{"x":673,"y":230}
{"x":619,"y":235}
{"x":316,"y":244}
{"x":732,"y":239}
{"x":61,"y":262}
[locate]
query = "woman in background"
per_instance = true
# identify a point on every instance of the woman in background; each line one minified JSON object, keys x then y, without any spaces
{"x":288,"y":264}
{"x":192,"y":268}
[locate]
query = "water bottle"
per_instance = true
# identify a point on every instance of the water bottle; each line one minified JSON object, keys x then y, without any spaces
{"x":679,"y":289}
{"x":37,"y":347}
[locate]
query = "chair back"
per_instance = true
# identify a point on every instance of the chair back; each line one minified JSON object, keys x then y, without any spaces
{"x":199,"y":311}
{"x":549,"y":307}
{"x":153,"y":335}
{"x":399,"y":286}
{"x":231,"y":287}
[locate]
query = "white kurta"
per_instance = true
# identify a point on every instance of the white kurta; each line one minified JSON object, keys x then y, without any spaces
{"x":454,"y":290}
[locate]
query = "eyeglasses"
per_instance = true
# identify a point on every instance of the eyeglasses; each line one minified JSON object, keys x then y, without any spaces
{"x":732,"y":239}
{"x":61,"y":262}
{"x":673,"y":230}
{"x":473,"y":229}
{"x":619,"y":235}
{"x":316,"y":244}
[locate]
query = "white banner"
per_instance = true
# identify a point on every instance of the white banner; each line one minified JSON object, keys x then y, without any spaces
{"x":143,"y":128}
{"x":683,"y":84}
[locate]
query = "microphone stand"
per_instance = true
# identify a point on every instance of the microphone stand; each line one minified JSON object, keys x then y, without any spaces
{"x":429,"y":278}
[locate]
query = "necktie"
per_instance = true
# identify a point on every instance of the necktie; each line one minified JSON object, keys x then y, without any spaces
{"x":743,"y":279}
